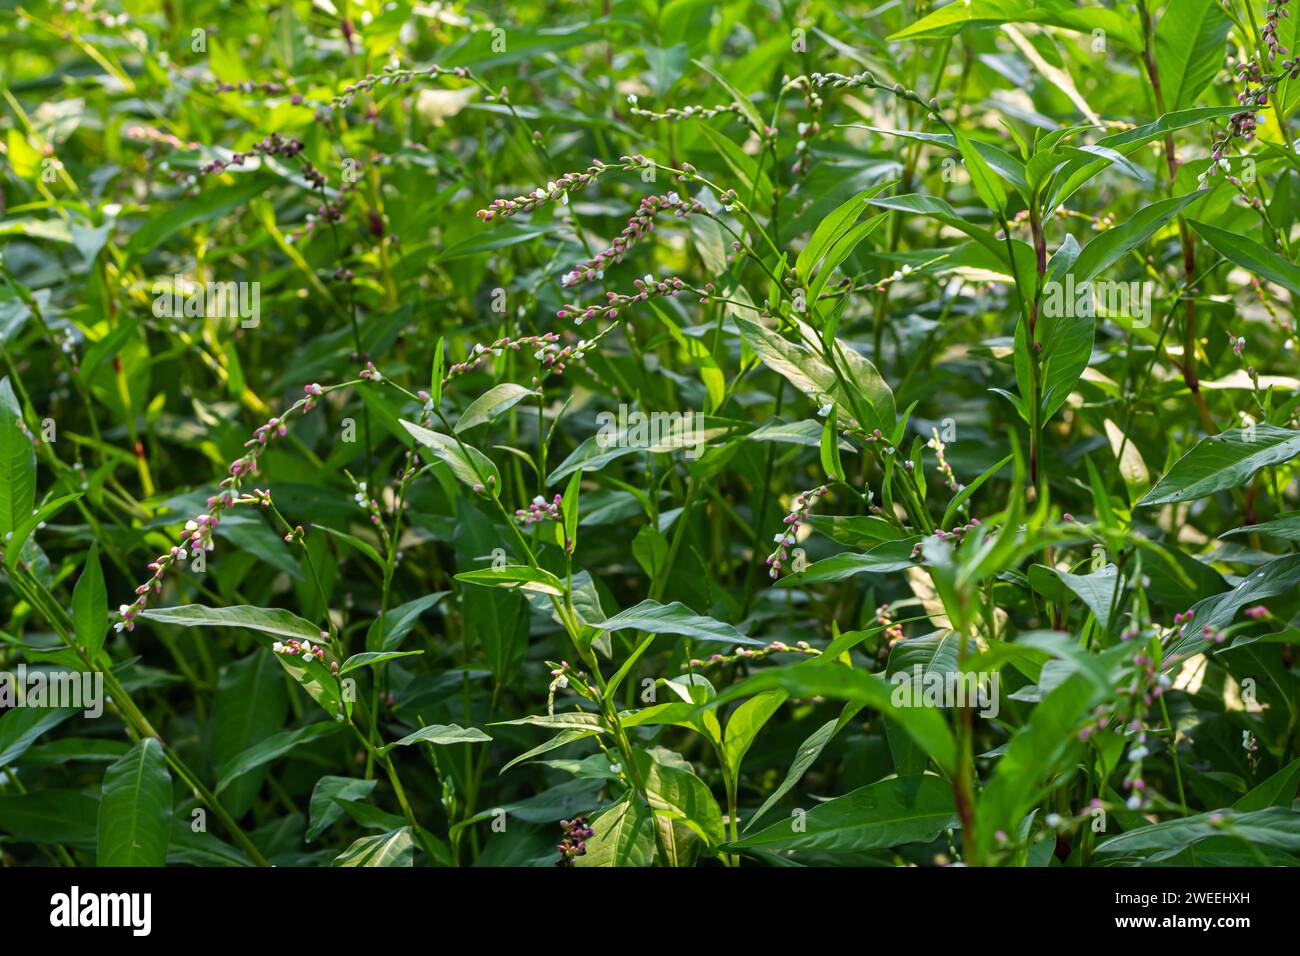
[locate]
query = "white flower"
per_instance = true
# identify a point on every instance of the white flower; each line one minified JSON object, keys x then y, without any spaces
{"x":277,"y":647}
{"x":1134,"y":802}
{"x":122,"y":609}
{"x":191,"y":525}
{"x":1137,"y":753}
{"x":825,"y":409}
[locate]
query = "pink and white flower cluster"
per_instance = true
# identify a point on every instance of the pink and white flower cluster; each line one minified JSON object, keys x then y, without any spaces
{"x":638,"y":226}
{"x":793,"y":522}
{"x":539,"y":509}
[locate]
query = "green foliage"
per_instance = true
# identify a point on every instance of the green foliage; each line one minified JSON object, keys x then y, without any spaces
{"x":890,"y":464}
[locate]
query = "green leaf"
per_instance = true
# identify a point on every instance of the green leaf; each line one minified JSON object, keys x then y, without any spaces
{"x":675,"y":618}
{"x":1279,"y":576}
{"x":1227,"y":460}
{"x":678,"y":796}
{"x":327,"y":798}
{"x":1274,"y":828}
{"x":952,"y":18}
{"x":463,"y":460}
{"x":17,"y":476}
{"x":893,"y":812}
{"x":493,"y":403}
{"x":90,"y":605}
{"x":830,"y":448}
{"x":805,"y":756}
{"x":884,"y":558}
{"x":69,"y":817}
{"x":1069,"y":348}
{"x":1250,"y":255}
{"x":522,"y":576}
{"x":441,"y":734}
{"x":744,"y":724}
{"x":1189,"y":49}
{"x":934,"y":654}
{"x":926,"y":725}
{"x":20,"y":727}
{"x":650,"y":548}
{"x":1037,"y":753}
{"x":436,"y":372}
{"x":371,"y":658}
{"x":268,"y":620}
{"x":624,"y":836}
{"x":14,"y":546}
{"x":251,"y":703}
{"x":1096,"y":590}
{"x":272,"y":748}
{"x":135,"y":811}
{"x":387,"y":849}
{"x":388,"y":631}
{"x":1278,"y":790}
{"x":987,"y":185}
{"x":1113,"y":244}
{"x":834,"y":226}
{"x":1284,"y":526}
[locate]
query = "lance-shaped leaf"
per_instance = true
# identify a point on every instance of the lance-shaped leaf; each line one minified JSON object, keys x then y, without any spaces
{"x":950,"y":19}
{"x":520,"y":576}
{"x":893,"y":812}
{"x":927,"y":725}
{"x":1189,"y":49}
{"x":884,"y":558}
{"x":1284,"y":526}
{"x":1113,"y":244}
{"x":1251,"y":256}
{"x":675,"y":618}
{"x":467,"y":463}
{"x":90,"y":605}
{"x":135,"y":811}
{"x":494,"y":402}
{"x":1227,"y":460}
{"x":441,"y":734}
{"x":272,"y":748}
{"x":268,"y":620}
{"x":17,"y":473}
{"x":1273,"y":828}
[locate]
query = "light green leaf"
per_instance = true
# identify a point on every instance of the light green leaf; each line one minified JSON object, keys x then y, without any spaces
{"x":387,"y":849}
{"x":441,"y":734}
{"x":493,"y":403}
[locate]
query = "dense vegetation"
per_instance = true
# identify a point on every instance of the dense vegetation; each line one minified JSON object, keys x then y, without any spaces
{"x":729,"y":434}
